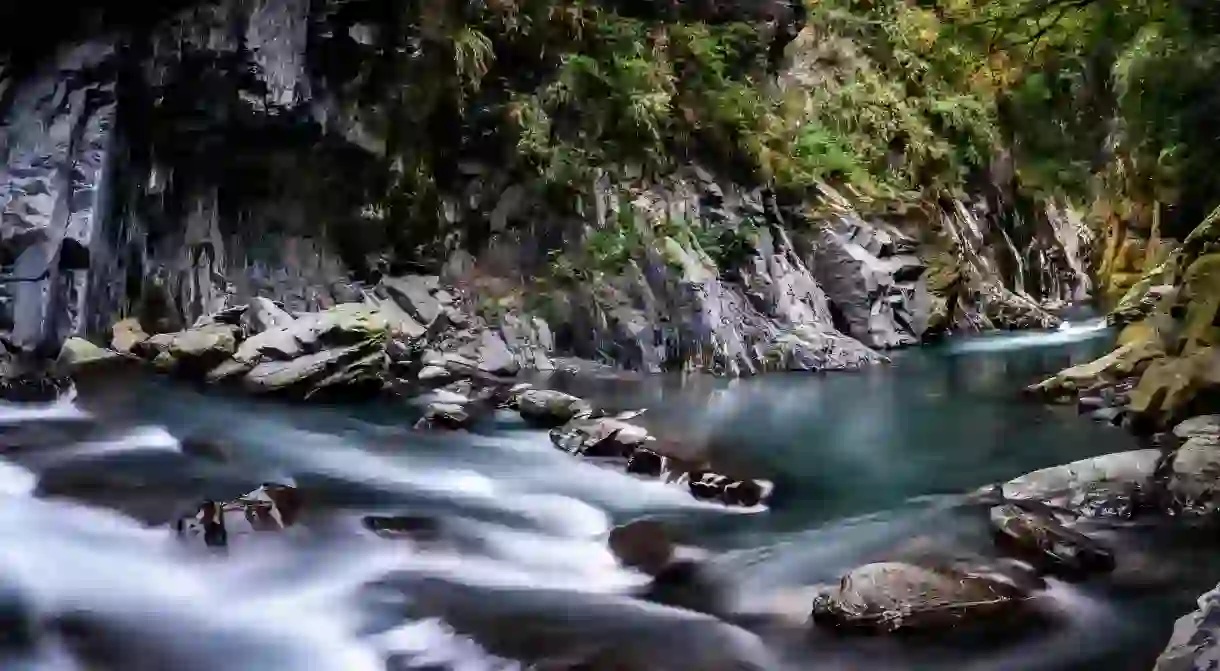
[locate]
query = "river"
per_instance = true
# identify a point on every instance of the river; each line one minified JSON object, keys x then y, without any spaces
{"x":92,"y":577}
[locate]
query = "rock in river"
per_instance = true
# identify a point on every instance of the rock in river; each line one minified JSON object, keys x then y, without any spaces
{"x":1194,"y":476}
{"x":1195,"y":644}
{"x":1204,"y":426}
{"x":546,"y":407}
{"x":1039,"y":538}
{"x":1091,"y":487}
{"x":600,"y":437}
{"x":890,"y":596}
{"x":268,"y":508}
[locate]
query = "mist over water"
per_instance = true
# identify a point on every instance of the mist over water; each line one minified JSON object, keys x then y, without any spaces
{"x":92,"y":575}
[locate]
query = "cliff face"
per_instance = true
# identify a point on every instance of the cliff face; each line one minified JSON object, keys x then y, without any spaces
{"x":172,"y":166}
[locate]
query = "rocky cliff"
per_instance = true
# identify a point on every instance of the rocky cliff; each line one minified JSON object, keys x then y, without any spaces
{"x":165,"y":166}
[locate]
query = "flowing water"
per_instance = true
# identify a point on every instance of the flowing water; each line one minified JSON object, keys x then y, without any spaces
{"x":93,"y":577}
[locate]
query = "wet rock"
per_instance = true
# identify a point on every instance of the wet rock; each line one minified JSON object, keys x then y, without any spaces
{"x":449,"y":416}
{"x":1194,"y":477}
{"x":891,"y":596}
{"x":545,"y":407}
{"x":709,"y":486}
{"x":268,"y":508}
{"x":600,"y":437}
{"x":126,"y":335}
{"x":1203,"y":426}
{"x":1042,"y":540}
{"x":644,"y":461}
{"x":1195,"y":643}
{"x":680,"y":581}
{"x":264,"y":315}
{"x":644,"y":545}
{"x":512,"y":396}
{"x":1069,"y":485}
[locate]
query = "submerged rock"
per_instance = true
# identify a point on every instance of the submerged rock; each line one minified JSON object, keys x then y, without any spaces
{"x":889,"y":597}
{"x":1042,"y":540}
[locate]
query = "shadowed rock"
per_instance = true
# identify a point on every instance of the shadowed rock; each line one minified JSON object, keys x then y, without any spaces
{"x":1044,"y":541}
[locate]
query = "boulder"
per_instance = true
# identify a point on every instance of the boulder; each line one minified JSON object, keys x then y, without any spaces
{"x":546,"y":407}
{"x":415,"y":294}
{"x":269,"y":508}
{"x":1195,"y":643}
{"x":1194,"y":476}
{"x":1168,"y":386}
{"x":644,"y":545}
{"x":1083,"y":483}
{"x":343,"y":325}
{"x":449,"y":416}
{"x":600,"y":437}
{"x":891,"y":596}
{"x":1203,"y":426}
{"x":495,"y":357}
{"x":78,"y":355}
{"x":1122,"y":363}
{"x":644,"y":461}
{"x":1037,"y":537}
{"x":264,"y":315}
{"x":196,"y":350}
{"x":434,"y":375}
{"x":126,"y":335}
{"x":340,"y":366}
{"x":709,"y":486}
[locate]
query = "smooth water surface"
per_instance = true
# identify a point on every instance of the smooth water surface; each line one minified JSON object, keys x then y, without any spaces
{"x":868,"y":465}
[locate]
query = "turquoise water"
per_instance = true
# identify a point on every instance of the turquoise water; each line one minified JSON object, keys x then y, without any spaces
{"x":867,"y":465}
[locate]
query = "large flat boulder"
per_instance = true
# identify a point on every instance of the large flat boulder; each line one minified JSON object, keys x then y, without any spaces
{"x":892,"y":596}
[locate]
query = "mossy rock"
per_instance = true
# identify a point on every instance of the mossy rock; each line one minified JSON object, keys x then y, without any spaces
{"x":1121,"y":363}
{"x":1133,"y":306}
{"x":1167,"y":387}
{"x":1199,"y":299}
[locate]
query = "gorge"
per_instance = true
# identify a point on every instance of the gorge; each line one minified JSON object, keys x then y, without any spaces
{"x":328,"y":328}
